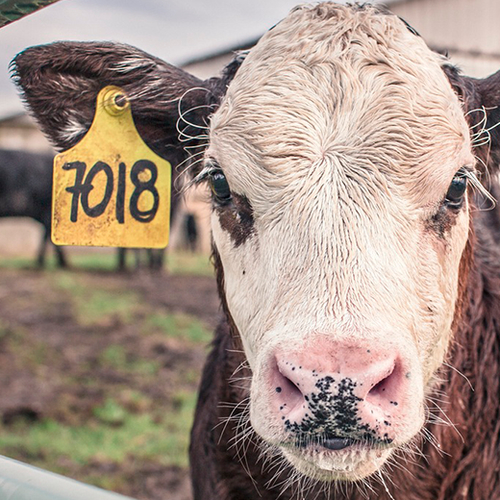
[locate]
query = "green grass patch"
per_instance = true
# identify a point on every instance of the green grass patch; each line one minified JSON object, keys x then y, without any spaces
{"x":26,"y":351}
{"x":114,"y":436}
{"x":22,"y":262}
{"x":5,"y":330}
{"x":99,"y":304}
{"x":111,"y":413}
{"x":95,"y":261}
{"x":181,"y":326}
{"x":95,"y":305}
{"x":182,"y":263}
{"x":115,"y":356}
{"x":175,"y":262}
{"x":189,"y":263}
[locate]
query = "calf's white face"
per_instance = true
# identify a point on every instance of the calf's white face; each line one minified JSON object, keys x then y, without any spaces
{"x":345,"y":151}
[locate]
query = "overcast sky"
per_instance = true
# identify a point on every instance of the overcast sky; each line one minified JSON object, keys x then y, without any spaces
{"x":175,"y":30}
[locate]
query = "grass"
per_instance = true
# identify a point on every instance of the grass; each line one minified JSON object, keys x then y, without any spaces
{"x":177,"y":263}
{"x":115,"y":356}
{"x":180,"y":326}
{"x":21,"y":262}
{"x":189,"y":263}
{"x":96,"y":261}
{"x":27,"y":352}
{"x":124,"y":396}
{"x":95,"y":305}
{"x":115,"y":435}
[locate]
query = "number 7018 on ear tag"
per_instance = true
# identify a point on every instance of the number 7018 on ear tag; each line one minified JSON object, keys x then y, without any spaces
{"x":111,"y":189}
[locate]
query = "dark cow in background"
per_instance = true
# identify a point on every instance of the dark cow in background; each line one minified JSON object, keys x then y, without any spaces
{"x":26,"y":191}
{"x":360,"y":348}
{"x":151,"y":258}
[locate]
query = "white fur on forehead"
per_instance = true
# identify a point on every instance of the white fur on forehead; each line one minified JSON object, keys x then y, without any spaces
{"x":343,"y":81}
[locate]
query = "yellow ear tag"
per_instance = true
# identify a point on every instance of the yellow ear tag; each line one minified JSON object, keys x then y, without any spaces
{"x":111,"y":189}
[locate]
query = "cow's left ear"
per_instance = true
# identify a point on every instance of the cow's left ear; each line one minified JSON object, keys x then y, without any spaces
{"x":481,"y":103}
{"x":59,"y":83}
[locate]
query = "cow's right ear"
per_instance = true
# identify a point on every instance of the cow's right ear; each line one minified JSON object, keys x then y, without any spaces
{"x":480,"y":99}
{"x":59,"y":83}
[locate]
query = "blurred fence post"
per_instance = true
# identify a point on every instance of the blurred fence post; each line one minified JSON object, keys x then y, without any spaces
{"x":19,"y":481}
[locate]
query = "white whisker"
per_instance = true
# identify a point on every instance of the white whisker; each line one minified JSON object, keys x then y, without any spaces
{"x":456,"y":370}
{"x":381,"y":477}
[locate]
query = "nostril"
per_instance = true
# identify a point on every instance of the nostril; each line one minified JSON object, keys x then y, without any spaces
{"x":380,"y":387}
{"x":287,"y":393}
{"x":386,"y":388}
{"x":288,"y":387}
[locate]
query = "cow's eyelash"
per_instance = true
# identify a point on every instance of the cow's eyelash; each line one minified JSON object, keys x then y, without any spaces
{"x":214,"y":177}
{"x":470,"y":174}
{"x":207,"y":172}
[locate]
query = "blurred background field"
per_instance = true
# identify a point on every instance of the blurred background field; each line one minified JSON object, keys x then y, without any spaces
{"x":99,"y":369}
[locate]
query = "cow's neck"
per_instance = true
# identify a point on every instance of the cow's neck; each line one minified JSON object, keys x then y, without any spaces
{"x":457,"y":462}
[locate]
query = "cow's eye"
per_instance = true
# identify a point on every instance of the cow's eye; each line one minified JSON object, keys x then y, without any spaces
{"x":456,"y":192}
{"x":220,"y":187}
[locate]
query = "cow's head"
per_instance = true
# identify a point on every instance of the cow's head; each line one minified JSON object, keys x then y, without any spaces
{"x":339,"y":160}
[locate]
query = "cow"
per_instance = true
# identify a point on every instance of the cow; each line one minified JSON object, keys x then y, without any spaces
{"x":151,"y":258}
{"x":26,"y":191}
{"x":354,"y":249}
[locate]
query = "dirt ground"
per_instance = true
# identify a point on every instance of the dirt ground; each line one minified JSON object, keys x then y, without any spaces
{"x":42,"y":316}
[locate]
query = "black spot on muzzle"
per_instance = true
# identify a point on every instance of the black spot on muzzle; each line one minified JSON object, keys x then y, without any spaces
{"x":332,"y":419}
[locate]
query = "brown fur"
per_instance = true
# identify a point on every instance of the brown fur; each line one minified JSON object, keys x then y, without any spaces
{"x":237,"y":219}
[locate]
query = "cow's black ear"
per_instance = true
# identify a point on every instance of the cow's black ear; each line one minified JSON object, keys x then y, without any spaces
{"x":218,"y":85}
{"x":481,"y":103}
{"x":59,"y":83}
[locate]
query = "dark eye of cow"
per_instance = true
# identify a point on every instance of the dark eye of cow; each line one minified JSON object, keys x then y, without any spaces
{"x":456,"y":192}
{"x":220,"y":187}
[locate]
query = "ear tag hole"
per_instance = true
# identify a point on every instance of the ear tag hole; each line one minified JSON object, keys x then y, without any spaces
{"x":115,"y":102}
